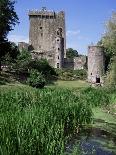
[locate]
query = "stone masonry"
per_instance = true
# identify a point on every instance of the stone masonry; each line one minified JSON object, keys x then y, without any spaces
{"x":47,"y":36}
{"x":95,"y":64}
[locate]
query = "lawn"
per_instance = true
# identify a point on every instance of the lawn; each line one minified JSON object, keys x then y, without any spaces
{"x":70,"y":84}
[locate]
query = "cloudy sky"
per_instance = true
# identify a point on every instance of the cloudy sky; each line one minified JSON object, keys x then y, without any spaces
{"x":85,"y":19}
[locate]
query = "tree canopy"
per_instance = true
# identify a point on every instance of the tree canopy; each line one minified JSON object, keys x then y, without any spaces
{"x":8,"y":18}
{"x":71,"y":53}
{"x":109,"y":42}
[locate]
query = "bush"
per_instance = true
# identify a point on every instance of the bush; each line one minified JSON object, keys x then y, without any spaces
{"x":68,"y":74}
{"x":46,"y":70}
{"x":36,"y":79}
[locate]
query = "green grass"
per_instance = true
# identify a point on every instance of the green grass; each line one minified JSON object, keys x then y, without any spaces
{"x":39,"y":121}
{"x":71,"y":84}
{"x":101,"y":114}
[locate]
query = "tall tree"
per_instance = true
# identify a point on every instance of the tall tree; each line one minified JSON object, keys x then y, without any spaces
{"x":8,"y":19}
{"x":109,"y":42}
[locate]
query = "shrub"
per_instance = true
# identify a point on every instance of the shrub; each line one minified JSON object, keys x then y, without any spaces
{"x":36,"y":79}
{"x":68,"y":74}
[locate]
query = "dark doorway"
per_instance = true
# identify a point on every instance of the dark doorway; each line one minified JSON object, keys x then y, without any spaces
{"x":97,"y":79}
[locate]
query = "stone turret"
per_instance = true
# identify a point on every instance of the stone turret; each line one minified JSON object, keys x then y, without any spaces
{"x":95,"y":64}
{"x":59,"y":51}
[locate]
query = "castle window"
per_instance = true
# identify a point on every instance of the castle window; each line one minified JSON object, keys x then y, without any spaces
{"x":57,"y":65}
{"x":39,"y":46}
{"x":50,"y":55}
{"x":58,"y":33}
{"x":58,"y":57}
{"x":51,"y":17}
{"x":57,"y":39}
{"x":41,"y":34}
{"x":58,"y":49}
{"x":41,"y":28}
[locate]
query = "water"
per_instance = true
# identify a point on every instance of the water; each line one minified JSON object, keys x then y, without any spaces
{"x":94,"y":141}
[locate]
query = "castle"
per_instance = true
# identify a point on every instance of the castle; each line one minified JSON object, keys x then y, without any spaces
{"x":47,"y":40}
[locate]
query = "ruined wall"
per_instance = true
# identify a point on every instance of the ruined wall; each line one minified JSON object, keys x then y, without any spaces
{"x":80,"y":62}
{"x":68,"y":63}
{"x":44,"y":55}
{"x":95,"y":63}
{"x":23,"y":45}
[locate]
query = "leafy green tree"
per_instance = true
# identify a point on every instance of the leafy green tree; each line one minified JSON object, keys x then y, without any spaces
{"x":8,"y":19}
{"x":24,"y":64}
{"x":71,"y":53}
{"x":109,"y":43}
{"x":11,"y":51}
{"x":36,"y":79}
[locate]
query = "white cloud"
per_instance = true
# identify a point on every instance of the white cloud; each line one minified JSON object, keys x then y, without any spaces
{"x":82,"y":38}
{"x":72,"y":32}
{"x":18,"y":38}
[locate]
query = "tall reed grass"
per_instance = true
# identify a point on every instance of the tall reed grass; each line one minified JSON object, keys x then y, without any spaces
{"x":39,"y":121}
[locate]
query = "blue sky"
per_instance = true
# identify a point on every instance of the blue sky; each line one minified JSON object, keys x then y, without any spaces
{"x":85,"y":19}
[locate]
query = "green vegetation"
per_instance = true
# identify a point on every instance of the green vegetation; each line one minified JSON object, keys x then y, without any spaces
{"x":39,"y":121}
{"x":70,"y":75}
{"x":70,"y":84}
{"x":108,"y":41}
{"x":35,"y":121}
{"x":36,"y":79}
{"x":71,"y":53}
{"x":8,"y":19}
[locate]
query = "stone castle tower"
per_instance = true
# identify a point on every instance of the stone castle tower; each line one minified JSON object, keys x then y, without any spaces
{"x":47,"y":36}
{"x":47,"y":39}
{"x":95,"y":64}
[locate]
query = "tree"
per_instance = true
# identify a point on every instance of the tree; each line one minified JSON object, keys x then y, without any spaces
{"x":71,"y":53}
{"x":109,"y":42}
{"x":11,"y":52}
{"x":8,"y":19}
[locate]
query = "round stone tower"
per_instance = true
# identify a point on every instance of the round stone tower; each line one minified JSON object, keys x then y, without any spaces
{"x":95,"y":64}
{"x":59,"y":51}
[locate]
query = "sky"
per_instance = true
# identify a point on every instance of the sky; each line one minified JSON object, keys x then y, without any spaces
{"x":85,"y":20}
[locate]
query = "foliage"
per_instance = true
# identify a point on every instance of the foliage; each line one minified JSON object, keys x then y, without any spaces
{"x":39,"y":121}
{"x":71,"y":53}
{"x":43,"y":66}
{"x":109,"y":43}
{"x":111,"y":75}
{"x":24,"y":64}
{"x":36,"y":79}
{"x":8,"y":18}
{"x":9,"y":53}
{"x":97,"y":97}
{"x":68,"y":74}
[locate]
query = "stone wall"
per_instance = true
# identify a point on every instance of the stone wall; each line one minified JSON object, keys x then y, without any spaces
{"x":80,"y":62}
{"x":68,"y":63}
